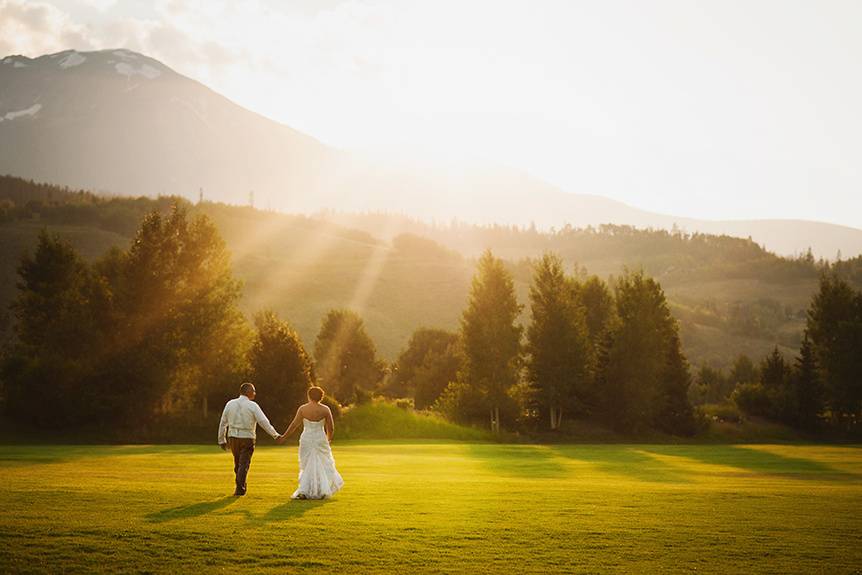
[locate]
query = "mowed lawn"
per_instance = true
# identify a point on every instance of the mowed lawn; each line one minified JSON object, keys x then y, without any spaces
{"x":435,"y":508}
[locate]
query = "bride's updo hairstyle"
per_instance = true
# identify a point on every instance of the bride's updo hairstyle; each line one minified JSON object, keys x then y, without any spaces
{"x":316,"y":393}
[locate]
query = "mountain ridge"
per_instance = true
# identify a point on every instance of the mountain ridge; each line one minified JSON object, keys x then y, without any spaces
{"x":122,"y":122}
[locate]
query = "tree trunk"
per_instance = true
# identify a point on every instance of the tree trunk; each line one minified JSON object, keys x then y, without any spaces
{"x":556,"y":418}
{"x":204,"y":406}
{"x":495,"y":420}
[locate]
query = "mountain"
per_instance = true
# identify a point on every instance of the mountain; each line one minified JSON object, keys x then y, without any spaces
{"x":120,"y":122}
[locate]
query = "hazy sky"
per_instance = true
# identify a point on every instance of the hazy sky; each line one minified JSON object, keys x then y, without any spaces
{"x":720,"y":109}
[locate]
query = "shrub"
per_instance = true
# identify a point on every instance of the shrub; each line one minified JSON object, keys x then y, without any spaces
{"x":404,"y":403}
{"x":776,"y":403}
{"x":460,"y":403}
{"x":384,"y":420}
{"x":753,"y":399}
{"x":725,"y":411}
{"x":362,"y":396}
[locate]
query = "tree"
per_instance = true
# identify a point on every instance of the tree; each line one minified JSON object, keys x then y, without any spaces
{"x":774,"y":371}
{"x":438,"y":369}
{"x":144,"y":332}
{"x":491,"y":338}
{"x":712,"y":385}
{"x":182,"y":338}
{"x":598,"y":308}
{"x":279,"y":366}
{"x":674,"y":413}
{"x":426,"y":366}
{"x":643,"y":373}
{"x":62,"y":318}
{"x":809,"y":392}
{"x":743,"y":371}
{"x":346,"y":357}
{"x":773,"y":396}
{"x":835,"y":328}
{"x":560,"y":359}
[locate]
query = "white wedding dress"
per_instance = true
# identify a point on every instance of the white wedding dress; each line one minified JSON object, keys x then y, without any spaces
{"x":318,"y":477}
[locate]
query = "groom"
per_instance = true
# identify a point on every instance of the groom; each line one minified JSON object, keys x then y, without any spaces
{"x":237,"y":428}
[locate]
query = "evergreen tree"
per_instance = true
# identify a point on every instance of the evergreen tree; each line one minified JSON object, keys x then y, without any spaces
{"x":743,"y":371}
{"x":438,"y":369}
{"x":346,"y":357}
{"x":491,"y":338}
{"x":774,"y":371}
{"x":674,"y":413}
{"x":62,"y":317}
{"x":809,"y":392}
{"x":643,"y":372}
{"x":712,"y":385}
{"x":280,"y":367}
{"x":426,"y":366}
{"x":560,"y":360}
{"x":149,"y":331}
{"x":598,"y":305}
{"x":835,"y":329}
{"x":779,"y":398}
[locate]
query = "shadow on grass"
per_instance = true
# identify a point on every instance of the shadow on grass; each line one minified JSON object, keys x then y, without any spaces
{"x":625,"y":461}
{"x":530,"y":461}
{"x":757,"y":461}
{"x":189,"y":511}
{"x":20,"y":456}
{"x":293,"y":508}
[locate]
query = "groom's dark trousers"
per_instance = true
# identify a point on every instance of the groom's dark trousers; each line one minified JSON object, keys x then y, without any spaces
{"x":242,"y":450}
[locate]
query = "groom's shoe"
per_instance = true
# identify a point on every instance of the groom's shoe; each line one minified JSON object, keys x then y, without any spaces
{"x":239,"y":493}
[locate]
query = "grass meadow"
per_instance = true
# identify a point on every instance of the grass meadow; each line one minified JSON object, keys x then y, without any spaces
{"x":435,"y":507}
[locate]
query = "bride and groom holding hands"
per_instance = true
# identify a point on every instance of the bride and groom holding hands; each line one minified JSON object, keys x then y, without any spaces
{"x":318,"y":477}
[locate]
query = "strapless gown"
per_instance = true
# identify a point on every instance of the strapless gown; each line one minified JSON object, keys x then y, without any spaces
{"x":318,"y":478}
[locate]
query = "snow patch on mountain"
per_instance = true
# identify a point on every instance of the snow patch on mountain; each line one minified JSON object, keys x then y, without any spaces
{"x":73,"y":59}
{"x":145,"y":70}
{"x":31,"y":111}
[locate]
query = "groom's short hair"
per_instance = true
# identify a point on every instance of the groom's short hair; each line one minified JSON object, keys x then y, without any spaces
{"x":246,"y":388}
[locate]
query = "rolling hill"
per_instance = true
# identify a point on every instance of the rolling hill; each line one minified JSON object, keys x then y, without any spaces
{"x":729,"y":294}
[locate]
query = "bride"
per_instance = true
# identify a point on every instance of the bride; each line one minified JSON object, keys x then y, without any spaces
{"x":318,"y":477}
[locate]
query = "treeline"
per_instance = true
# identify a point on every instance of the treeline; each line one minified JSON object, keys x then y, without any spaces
{"x":673,"y":255}
{"x":152,"y":337}
{"x":27,"y":200}
{"x":149,"y":335}
{"x":153,"y":333}
{"x":820,"y":388}
{"x":589,"y":351}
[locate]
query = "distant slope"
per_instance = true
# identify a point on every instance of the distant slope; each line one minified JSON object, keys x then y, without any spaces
{"x":729,"y":295}
{"x":118,"y":121}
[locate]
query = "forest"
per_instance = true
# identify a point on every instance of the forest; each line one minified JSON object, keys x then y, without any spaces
{"x":156,"y":332}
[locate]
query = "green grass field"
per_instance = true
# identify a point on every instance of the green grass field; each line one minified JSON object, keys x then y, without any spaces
{"x":441,"y":507}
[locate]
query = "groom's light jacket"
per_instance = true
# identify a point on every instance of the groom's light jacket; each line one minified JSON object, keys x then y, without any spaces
{"x":240,"y":418}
